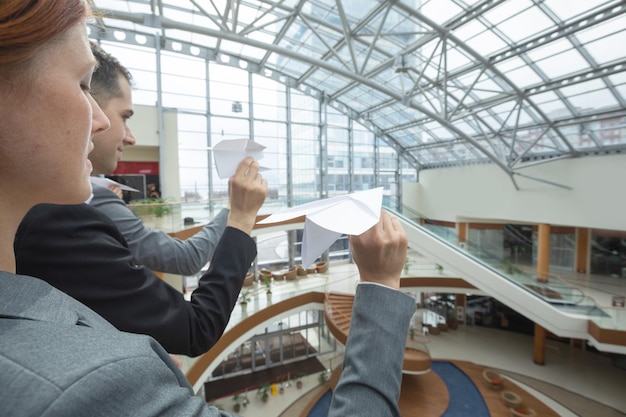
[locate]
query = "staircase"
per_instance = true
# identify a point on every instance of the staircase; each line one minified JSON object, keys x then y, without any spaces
{"x":338,"y":314}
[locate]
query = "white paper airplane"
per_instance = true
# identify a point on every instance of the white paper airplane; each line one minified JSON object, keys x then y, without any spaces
{"x":229,"y":153}
{"x":326,"y":220}
{"x":106,"y":182}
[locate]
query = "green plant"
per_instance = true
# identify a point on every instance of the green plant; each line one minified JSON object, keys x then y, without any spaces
{"x":240,"y":400}
{"x":244,"y":296}
{"x":264,"y":392}
{"x":267,"y":281}
{"x":323,"y":377}
{"x":157,"y":206}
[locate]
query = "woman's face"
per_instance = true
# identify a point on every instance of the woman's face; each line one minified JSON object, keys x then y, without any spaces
{"x":46,"y":121}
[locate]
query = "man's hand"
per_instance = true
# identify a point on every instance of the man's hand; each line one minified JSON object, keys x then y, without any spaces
{"x":380,"y":252}
{"x":247,"y":190}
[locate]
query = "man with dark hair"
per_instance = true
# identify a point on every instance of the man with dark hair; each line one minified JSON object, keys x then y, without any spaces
{"x":153,"y":248}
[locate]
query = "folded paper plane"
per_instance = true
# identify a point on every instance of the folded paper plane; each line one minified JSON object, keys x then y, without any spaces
{"x":326,"y":220}
{"x":107,"y":182}
{"x":229,"y":153}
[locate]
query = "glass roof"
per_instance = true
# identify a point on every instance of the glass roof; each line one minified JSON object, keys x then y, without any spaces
{"x":446,"y":82}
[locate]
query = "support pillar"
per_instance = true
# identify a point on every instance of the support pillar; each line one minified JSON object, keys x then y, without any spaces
{"x":461,"y":232}
{"x":461,"y":305}
{"x":539,"y":354}
{"x":543,"y":252}
{"x":583,"y":238}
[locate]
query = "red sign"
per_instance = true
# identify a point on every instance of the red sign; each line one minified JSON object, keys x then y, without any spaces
{"x":129,"y":167}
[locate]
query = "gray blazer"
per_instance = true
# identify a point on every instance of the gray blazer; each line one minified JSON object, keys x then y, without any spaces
{"x":58,"y":358}
{"x":154,"y":248}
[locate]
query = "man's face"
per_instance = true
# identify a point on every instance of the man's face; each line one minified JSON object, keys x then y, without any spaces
{"x":110,"y":144}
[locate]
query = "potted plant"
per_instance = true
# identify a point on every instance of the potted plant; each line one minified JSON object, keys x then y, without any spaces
{"x":511,"y":399}
{"x":153,"y":205}
{"x":240,"y":400}
{"x":291,"y":273}
{"x":323,"y":377}
{"x":298,"y":379}
{"x":237,"y":400}
{"x":493,"y":379}
{"x":244,"y":296}
{"x":321,"y":267}
{"x":522,"y":411}
{"x":267,"y":281}
{"x":249,"y":279}
{"x":264,"y":392}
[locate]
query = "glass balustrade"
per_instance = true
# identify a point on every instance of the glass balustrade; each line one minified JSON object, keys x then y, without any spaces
{"x":176,"y":216}
{"x":555,"y":290}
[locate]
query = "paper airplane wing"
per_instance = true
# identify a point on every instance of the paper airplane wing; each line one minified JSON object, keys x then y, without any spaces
{"x":315,"y":240}
{"x":106,"y":182}
{"x":370,"y":200}
{"x":229,"y":153}
{"x":353,"y":215}
{"x":301,"y":210}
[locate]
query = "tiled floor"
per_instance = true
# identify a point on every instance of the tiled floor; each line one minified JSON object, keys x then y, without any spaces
{"x":583,"y":372}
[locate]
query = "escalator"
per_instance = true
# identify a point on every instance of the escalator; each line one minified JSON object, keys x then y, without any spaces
{"x":555,"y":305}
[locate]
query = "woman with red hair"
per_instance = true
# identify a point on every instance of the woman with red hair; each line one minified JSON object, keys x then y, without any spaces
{"x":59,"y":358}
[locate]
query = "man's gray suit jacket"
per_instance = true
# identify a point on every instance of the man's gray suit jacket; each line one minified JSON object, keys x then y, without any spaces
{"x":153,"y":247}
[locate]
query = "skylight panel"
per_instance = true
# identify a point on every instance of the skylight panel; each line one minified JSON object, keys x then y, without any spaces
{"x":572,"y":8}
{"x":604,"y":50}
{"x":486,"y":43}
{"x":588,"y":101}
{"x":469,"y":30}
{"x":525,"y":25}
{"x":456,"y":58}
{"x":562,"y":64}
{"x":523,"y":77}
{"x":511,"y":64}
{"x":607,"y":28}
{"x":440,"y":11}
{"x":583,"y":87}
{"x":506,"y":10}
{"x":553,"y":48}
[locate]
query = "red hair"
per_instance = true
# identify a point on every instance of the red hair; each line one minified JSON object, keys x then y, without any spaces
{"x":28,"y":25}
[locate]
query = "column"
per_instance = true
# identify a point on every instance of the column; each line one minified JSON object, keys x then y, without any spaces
{"x":543,"y":252}
{"x":539,"y":354}
{"x":461,"y":231}
{"x":583,"y":238}
{"x":460,"y":304}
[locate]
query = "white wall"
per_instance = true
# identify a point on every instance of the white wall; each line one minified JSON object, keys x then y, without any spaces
{"x":484,"y":193}
{"x":145,"y":127}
